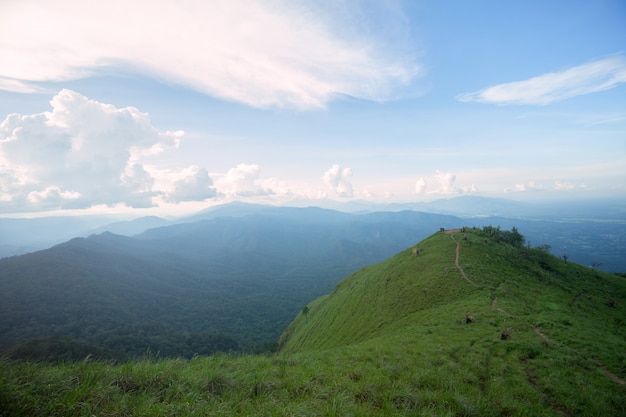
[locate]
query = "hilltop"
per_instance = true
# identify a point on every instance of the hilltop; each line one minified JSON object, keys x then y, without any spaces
{"x":468,"y":322}
{"x":478,"y":277}
{"x":480,"y":305}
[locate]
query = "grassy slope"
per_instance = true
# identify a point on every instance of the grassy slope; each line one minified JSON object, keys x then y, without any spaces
{"x":390,"y":340}
{"x":381,"y":296}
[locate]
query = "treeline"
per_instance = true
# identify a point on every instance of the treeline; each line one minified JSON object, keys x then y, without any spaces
{"x":512,"y":237}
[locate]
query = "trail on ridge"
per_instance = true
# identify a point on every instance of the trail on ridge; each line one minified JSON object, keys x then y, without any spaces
{"x":609,"y":374}
{"x":456,"y":258}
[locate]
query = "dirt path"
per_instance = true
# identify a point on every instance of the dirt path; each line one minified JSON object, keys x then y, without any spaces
{"x":494,"y":303}
{"x":456,"y":258}
{"x":610,"y":374}
{"x":546,"y":339}
{"x":604,"y":370}
{"x":538,"y":332}
{"x":541,"y":335}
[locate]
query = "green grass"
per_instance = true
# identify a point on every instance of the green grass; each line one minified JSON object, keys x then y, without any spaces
{"x":391,"y":339}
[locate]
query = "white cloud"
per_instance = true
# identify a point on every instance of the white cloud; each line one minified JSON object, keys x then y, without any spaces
{"x":588,"y":78}
{"x":279,"y":53}
{"x":441,"y":183}
{"x":420,"y":186}
{"x":16,"y":86}
{"x":523,"y":187}
{"x":53,"y":195}
{"x":195,"y":185}
{"x":243,"y":181}
{"x":278,"y":187}
{"x":564,"y":185}
{"x":338,"y":182}
{"x":445,"y":182}
{"x":82,"y":153}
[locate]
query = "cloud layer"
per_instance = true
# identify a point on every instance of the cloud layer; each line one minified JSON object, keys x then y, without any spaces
{"x":556,"y":86}
{"x":279,"y":53}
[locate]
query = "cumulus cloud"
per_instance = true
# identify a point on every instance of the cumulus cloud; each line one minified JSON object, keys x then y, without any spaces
{"x":243,"y":181}
{"x":195,"y":185}
{"x":420,"y":186}
{"x":82,"y":153}
{"x":442,"y":183}
{"x":278,"y":53}
{"x":588,"y":78}
{"x":338,"y":181}
{"x":445,"y":182}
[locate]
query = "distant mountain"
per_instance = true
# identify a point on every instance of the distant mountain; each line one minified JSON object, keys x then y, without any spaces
{"x":132,"y":227}
{"x":469,"y":206}
{"x":234,"y":209}
{"x":23,"y":235}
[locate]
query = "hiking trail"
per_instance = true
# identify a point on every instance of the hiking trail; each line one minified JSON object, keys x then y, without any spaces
{"x":456,"y":258}
{"x":538,"y":332}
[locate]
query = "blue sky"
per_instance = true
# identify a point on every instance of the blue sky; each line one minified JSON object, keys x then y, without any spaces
{"x":172,"y":106}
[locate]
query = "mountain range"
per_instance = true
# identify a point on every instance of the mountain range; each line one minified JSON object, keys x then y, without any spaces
{"x":234,"y":274}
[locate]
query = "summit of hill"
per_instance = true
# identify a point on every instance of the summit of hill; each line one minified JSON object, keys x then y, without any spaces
{"x":470,"y":290}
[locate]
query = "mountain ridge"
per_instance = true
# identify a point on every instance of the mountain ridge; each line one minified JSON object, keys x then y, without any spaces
{"x":464,"y":266}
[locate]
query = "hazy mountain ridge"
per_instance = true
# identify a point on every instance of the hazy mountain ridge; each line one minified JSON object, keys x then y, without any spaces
{"x":23,"y":235}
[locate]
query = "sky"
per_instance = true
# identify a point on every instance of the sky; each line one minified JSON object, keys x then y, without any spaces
{"x":170,"y":106}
